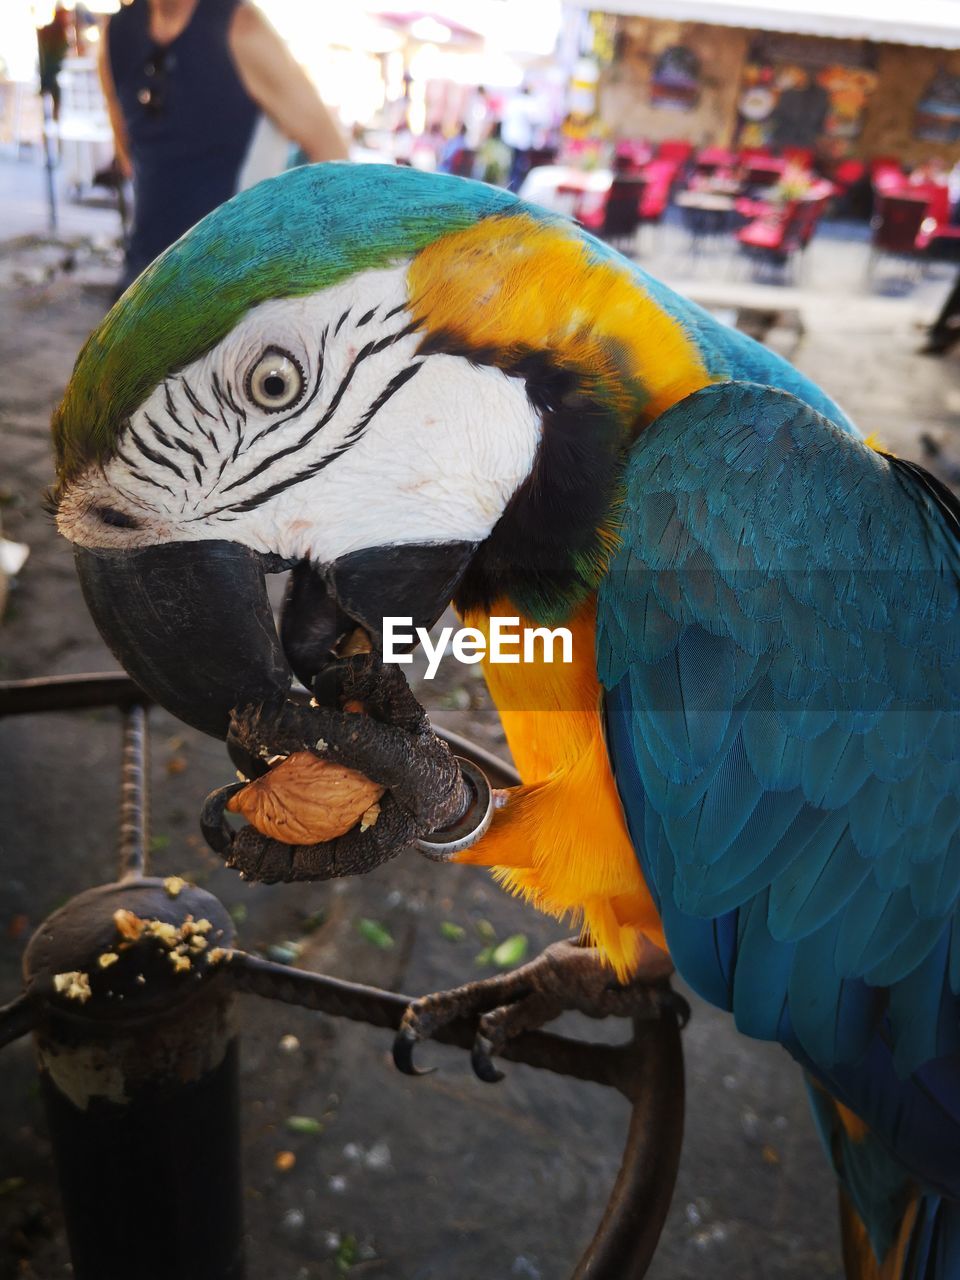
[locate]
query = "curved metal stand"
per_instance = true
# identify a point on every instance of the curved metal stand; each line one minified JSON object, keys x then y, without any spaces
{"x":144,"y":1047}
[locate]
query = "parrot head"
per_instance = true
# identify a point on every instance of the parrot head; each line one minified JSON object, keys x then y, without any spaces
{"x":403,"y":387}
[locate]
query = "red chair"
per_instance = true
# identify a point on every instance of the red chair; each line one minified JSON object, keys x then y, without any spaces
{"x":710,"y":159}
{"x":749,"y":154}
{"x":938,"y":239}
{"x":938,"y":200}
{"x":895,"y":226}
{"x":751,"y":209}
{"x":778,"y":237}
{"x":812,"y":209}
{"x":614,"y":214}
{"x":675,"y":149}
{"x":761,"y":171}
{"x":939,"y":242}
{"x":659,"y":177}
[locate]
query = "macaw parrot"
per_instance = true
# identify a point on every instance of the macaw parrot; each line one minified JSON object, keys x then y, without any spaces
{"x":413,"y":388}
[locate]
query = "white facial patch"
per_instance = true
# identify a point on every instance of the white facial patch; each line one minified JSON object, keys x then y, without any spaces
{"x":383,"y":446}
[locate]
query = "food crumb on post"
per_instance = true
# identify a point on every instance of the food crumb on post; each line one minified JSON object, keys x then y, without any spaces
{"x":129,"y":925}
{"x":74,"y":985}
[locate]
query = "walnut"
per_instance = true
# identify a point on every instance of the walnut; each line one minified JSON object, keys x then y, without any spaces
{"x":303,"y":800}
{"x":356,"y":642}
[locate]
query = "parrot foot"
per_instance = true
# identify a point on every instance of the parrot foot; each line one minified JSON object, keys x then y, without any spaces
{"x":565,"y":976}
{"x":377,"y":728}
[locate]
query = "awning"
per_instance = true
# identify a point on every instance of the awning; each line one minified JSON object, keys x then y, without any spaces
{"x":923,"y":22}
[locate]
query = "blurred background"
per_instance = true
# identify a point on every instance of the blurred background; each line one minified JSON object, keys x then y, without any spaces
{"x":794,"y":168}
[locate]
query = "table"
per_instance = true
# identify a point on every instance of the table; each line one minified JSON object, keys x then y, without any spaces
{"x":705,"y":214}
{"x":560,"y":187}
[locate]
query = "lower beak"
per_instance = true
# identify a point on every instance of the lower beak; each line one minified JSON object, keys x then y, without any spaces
{"x":323,"y":604}
{"x":192,"y":624}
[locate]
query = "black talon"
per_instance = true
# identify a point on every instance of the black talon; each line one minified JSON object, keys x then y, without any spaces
{"x":676,"y":1004}
{"x":216,"y":830}
{"x":482,"y":1062}
{"x":404,"y":1043}
{"x":327,"y":685}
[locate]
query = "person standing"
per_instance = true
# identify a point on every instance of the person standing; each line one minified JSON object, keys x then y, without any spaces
{"x":187,"y":82}
{"x":454,"y":148}
{"x":493,"y":158}
{"x":517,"y":131}
{"x":53,"y":43}
{"x":944,"y":333}
{"x":477,"y":117}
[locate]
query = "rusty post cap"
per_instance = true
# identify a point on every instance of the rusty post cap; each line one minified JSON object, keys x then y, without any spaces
{"x":127,"y":950}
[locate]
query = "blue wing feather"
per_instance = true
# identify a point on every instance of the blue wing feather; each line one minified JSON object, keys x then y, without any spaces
{"x":779,"y":645}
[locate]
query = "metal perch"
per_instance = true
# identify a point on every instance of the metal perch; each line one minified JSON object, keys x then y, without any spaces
{"x":138,"y":1053}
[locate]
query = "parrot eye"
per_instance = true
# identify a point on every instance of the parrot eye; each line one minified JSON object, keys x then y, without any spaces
{"x":275,"y":381}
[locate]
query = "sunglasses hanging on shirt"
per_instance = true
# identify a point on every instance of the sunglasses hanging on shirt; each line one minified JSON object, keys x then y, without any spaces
{"x":153,"y":95}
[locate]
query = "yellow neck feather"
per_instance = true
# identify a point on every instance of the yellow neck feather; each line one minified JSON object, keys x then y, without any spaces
{"x":511,"y":285}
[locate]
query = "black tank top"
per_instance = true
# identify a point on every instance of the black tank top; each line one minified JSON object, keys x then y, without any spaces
{"x":189,"y":121}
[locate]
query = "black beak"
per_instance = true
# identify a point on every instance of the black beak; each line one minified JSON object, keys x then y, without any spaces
{"x":192,"y":624}
{"x":323,"y":604}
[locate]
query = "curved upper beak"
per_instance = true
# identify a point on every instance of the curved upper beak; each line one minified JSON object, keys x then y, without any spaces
{"x":192,"y":624}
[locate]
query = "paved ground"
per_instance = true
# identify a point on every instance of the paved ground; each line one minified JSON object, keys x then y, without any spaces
{"x":438,"y":1178}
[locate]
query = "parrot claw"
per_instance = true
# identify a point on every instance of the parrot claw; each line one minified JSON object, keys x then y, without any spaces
{"x":670,"y":1001}
{"x":404,"y":1044}
{"x":213,"y":823}
{"x":564,"y":976}
{"x":481,"y":1059}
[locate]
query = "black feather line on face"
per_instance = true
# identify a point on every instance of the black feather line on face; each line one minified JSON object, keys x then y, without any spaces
{"x":152,"y":456}
{"x":136,"y":472}
{"x":174,"y":442}
{"x":171,"y":407}
{"x":238,"y":409}
{"x":548,"y":550}
{"x":191,"y":396}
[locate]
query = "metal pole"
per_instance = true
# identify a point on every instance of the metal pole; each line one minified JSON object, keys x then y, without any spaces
{"x":50,"y":133}
{"x":138,"y":1065}
{"x":134,"y":817}
{"x":69,"y":693}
